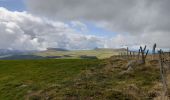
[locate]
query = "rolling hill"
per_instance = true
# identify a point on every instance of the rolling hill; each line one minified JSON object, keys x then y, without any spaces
{"x":78,"y":79}
{"x":60,"y":53}
{"x":99,"y":53}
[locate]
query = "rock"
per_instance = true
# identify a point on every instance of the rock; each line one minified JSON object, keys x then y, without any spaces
{"x":129,"y":69}
{"x":24,"y":85}
{"x":131,"y":64}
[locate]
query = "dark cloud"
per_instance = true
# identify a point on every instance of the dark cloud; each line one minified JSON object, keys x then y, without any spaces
{"x":139,"y":18}
{"x":132,"y":16}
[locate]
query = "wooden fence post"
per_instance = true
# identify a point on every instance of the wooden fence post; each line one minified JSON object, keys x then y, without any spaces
{"x":143,"y":54}
{"x":153,"y":51}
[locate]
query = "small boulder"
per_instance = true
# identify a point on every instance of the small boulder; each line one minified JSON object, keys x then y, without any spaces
{"x":131,"y":64}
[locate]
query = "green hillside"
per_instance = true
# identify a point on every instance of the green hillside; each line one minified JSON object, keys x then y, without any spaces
{"x":77,"y":79}
{"x":98,"y":53}
{"x":18,"y":78}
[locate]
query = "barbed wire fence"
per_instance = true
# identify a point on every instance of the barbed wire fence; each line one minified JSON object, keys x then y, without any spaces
{"x":128,"y":54}
{"x":164,"y":65}
{"x":164,"y":60}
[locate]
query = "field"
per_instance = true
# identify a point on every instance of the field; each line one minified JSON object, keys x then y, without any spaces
{"x":77,"y":79}
{"x":18,"y":78}
{"x":98,"y":53}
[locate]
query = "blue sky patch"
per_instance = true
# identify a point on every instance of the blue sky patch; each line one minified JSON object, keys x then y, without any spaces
{"x":13,"y":5}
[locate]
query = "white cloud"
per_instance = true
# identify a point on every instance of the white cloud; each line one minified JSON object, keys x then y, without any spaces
{"x":79,"y":25}
{"x":136,"y":22}
{"x":21,"y":30}
{"x":134,"y":41}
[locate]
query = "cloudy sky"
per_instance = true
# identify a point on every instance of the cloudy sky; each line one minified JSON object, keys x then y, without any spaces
{"x":83,"y":24}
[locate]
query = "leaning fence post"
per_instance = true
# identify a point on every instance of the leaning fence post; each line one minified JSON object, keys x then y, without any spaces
{"x":153,"y":51}
{"x":143,"y":54}
{"x":169,"y":55}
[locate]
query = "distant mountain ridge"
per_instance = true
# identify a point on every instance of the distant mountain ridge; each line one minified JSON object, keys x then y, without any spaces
{"x":7,"y":52}
{"x":14,"y":52}
{"x":117,"y":49}
{"x":57,"y":49}
{"x":22,"y":57}
{"x":60,"y":53}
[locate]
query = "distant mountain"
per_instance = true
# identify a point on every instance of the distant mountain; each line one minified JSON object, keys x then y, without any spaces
{"x":9,"y":52}
{"x":22,"y":57}
{"x":60,"y":53}
{"x":57,"y":49}
{"x":4,"y":52}
{"x":111,"y":49}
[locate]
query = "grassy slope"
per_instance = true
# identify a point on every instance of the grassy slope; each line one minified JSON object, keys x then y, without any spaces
{"x":107,"y":83}
{"x":19,"y":77}
{"x":76,"y":80}
{"x":100,"y":53}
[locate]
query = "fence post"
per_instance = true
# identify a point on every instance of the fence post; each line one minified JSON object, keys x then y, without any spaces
{"x":143,"y":54}
{"x":169,"y":55}
{"x":153,"y":51}
{"x":162,"y":73}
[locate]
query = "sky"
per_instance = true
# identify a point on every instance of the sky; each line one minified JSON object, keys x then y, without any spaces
{"x":83,"y":24}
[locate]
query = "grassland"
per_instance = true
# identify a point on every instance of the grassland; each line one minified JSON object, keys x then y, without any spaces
{"x":21,"y":77}
{"x":99,"y":53}
{"x":77,"y":79}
